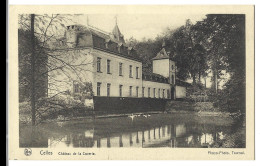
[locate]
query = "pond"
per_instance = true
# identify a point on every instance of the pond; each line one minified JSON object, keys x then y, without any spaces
{"x":140,"y":131}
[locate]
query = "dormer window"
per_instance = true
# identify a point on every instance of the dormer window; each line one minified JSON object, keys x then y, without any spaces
{"x":119,"y":47}
{"x":108,"y":41}
{"x":130,"y":50}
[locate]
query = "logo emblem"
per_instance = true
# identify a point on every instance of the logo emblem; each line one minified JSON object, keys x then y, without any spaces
{"x":27,"y":151}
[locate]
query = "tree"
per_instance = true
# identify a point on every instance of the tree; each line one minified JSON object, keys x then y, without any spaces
{"x":225,"y":40}
{"x":190,"y":53}
{"x":146,"y":50}
{"x":40,"y":63}
{"x":185,"y":43}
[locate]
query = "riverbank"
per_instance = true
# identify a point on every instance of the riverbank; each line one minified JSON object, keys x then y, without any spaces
{"x":202,"y":116}
{"x":190,"y":106}
{"x":172,"y":107}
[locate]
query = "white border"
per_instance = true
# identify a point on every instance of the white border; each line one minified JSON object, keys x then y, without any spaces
{"x":78,"y":2}
{"x":156,"y":163}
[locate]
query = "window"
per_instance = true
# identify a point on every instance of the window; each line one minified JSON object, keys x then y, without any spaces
{"x":120,"y":69}
{"x":172,"y":79}
{"x":137,"y":74}
{"x":168,"y":93}
{"x":108,"y":67}
{"x":148,"y":92}
{"x":172,"y":67}
{"x":98,"y":64}
{"x":143,"y":92}
{"x":98,"y":88}
{"x":120,"y":90}
{"x":108,"y":89}
{"x":137,"y":91}
{"x":154,"y":92}
{"x":130,"y":90}
{"x":159,"y":91}
{"x":130,"y":71}
{"x":119,"y":48}
{"x":76,"y":87}
{"x":163,"y":93}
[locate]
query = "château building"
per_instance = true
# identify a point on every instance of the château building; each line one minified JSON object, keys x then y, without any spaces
{"x":115,"y":71}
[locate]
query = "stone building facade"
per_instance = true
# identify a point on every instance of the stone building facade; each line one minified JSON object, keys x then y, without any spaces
{"x":114,"y":69}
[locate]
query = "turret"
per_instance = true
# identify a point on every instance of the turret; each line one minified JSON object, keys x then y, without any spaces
{"x":164,"y":64}
{"x":117,"y":35}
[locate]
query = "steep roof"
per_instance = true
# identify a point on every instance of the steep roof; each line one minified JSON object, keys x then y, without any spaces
{"x":162,"y":55}
{"x":115,"y":36}
{"x":89,"y":36}
{"x":118,"y":35}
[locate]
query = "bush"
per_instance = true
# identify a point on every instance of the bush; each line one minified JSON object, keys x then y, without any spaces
{"x":25,"y":107}
{"x":204,"y":106}
{"x":51,"y":108}
{"x":232,"y":97}
{"x":197,"y":92}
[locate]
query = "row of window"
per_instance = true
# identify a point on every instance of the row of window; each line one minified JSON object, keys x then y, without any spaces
{"x":120,"y":68}
{"x":136,"y":91}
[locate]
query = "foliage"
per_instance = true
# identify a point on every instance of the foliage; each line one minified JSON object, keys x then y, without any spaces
{"x":225,"y":36}
{"x":25,"y":72}
{"x":39,"y":64}
{"x":183,"y":44}
{"x":85,"y":92}
{"x":217,"y":45}
{"x":51,"y":108}
{"x":190,"y":55}
{"x":146,"y":50}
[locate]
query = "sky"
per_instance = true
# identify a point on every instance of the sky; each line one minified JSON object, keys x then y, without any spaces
{"x":138,"y":26}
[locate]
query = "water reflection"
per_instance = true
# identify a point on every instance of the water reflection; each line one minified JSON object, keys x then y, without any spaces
{"x":123,"y":132}
{"x":163,"y":136}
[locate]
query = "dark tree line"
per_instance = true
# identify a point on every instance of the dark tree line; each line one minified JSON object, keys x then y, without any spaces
{"x":225,"y":36}
{"x":208,"y":48}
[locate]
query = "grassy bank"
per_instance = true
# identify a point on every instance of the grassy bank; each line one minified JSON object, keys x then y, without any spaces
{"x":190,"y":106}
{"x":52,"y":114}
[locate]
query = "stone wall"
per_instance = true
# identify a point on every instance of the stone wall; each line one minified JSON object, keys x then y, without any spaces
{"x":128,"y":105}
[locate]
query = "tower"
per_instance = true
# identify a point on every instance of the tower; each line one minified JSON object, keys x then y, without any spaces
{"x":164,"y":65}
{"x":116,"y":34}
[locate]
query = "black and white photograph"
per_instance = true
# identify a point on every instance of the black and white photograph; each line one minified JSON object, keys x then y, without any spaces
{"x":100,"y":81}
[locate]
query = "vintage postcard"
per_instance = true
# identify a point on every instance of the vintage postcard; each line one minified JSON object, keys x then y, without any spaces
{"x":131,"y":82}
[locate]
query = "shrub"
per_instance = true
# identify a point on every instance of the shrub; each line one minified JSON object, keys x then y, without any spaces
{"x":51,"y":108}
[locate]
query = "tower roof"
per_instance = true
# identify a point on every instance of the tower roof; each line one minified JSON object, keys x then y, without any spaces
{"x":117,"y":35}
{"x":162,"y":55}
